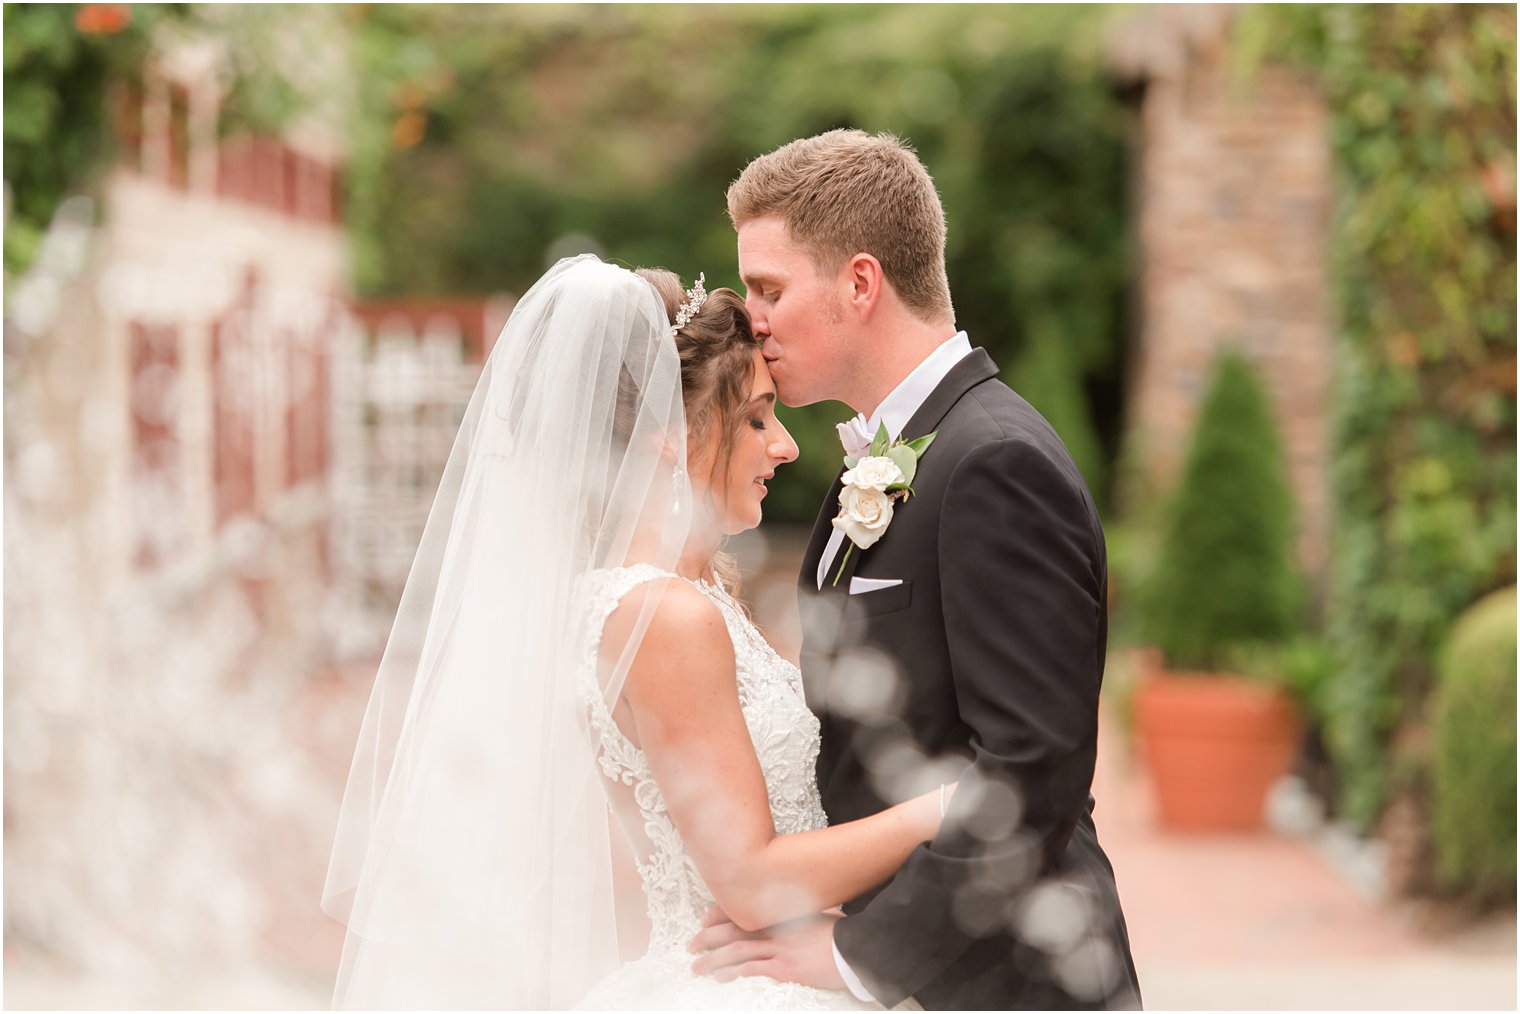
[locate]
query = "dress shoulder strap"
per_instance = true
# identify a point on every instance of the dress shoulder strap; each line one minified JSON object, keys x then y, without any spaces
{"x":605,"y":588}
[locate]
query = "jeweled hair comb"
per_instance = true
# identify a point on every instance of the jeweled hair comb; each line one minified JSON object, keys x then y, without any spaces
{"x":695,"y":297}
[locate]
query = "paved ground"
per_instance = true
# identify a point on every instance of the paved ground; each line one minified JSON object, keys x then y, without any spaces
{"x":1266,"y":922}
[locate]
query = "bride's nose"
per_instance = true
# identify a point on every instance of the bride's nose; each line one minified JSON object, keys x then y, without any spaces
{"x":784,"y":448}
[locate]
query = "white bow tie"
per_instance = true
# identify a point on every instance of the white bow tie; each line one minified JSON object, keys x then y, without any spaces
{"x":854,"y":436}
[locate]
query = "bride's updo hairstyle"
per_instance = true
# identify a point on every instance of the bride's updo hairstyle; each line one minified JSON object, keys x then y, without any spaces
{"x":717,"y":363}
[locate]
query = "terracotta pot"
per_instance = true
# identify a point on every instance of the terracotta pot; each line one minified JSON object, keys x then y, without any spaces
{"x":1214,"y":744}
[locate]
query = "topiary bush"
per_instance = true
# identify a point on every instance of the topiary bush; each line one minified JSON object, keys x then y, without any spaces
{"x":1473,"y":776}
{"x":1225,"y":575}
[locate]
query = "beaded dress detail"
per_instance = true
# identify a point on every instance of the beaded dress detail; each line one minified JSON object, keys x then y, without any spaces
{"x":785,"y":737}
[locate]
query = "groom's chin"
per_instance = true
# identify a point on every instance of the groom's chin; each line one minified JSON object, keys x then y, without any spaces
{"x":793,"y":399}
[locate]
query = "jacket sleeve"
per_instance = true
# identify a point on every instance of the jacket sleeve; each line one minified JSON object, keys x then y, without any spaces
{"x":1023,"y":582}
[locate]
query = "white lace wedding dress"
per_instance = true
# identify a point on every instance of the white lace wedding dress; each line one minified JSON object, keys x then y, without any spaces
{"x":785,"y":734}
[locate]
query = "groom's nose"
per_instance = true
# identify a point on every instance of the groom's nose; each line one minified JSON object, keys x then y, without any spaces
{"x":759,"y":326}
{"x":765,"y":340}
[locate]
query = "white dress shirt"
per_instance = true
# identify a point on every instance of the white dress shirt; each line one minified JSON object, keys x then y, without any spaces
{"x":898,"y":407}
{"x":895,"y":410}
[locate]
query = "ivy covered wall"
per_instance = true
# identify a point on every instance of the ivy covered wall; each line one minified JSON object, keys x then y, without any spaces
{"x":1423,"y":260}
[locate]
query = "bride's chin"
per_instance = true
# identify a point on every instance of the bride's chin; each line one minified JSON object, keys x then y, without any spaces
{"x":737,"y":526}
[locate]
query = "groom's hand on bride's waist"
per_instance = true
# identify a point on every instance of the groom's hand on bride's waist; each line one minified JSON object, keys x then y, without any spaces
{"x":801,"y":950}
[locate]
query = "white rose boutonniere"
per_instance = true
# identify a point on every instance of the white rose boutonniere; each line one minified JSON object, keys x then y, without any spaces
{"x":864,"y":515}
{"x":873,"y":483}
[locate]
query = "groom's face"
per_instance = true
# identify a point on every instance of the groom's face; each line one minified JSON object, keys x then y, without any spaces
{"x":797,"y":313}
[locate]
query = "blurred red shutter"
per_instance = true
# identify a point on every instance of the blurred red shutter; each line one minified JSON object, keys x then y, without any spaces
{"x":234,"y":376}
{"x":156,"y":494}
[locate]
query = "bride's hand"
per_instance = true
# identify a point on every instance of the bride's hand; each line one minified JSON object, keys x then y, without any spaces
{"x":800,"y":950}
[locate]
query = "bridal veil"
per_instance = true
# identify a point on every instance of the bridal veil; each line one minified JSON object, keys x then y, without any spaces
{"x":472,"y":862}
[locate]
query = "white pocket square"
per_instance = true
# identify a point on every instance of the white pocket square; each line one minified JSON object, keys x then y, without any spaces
{"x":861,"y":585}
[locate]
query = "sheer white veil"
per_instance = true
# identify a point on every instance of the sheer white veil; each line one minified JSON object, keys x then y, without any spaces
{"x":472,"y":861}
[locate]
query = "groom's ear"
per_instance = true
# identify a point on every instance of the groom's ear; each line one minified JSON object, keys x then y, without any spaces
{"x":866,"y":282}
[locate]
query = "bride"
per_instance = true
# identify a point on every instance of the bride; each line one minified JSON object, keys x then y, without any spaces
{"x":569,"y":668}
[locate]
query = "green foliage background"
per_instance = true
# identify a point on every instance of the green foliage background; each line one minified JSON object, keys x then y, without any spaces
{"x":56,"y":140}
{"x":548,"y":130}
{"x":1422,"y":99}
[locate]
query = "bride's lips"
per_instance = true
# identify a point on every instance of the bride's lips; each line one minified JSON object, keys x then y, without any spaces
{"x":761,"y":480}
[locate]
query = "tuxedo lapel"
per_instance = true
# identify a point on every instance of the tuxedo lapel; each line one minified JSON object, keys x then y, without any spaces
{"x":966,"y":374}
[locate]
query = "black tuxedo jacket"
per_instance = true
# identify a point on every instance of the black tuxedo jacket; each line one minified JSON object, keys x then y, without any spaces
{"x":995,"y":641}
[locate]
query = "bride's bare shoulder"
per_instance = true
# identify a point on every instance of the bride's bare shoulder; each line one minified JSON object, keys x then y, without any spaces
{"x":684,"y":637}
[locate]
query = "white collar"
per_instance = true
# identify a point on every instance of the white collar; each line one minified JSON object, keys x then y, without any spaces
{"x":909,"y":396}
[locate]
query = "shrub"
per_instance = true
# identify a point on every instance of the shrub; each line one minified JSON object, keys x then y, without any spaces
{"x":1474,"y":767}
{"x":1225,"y":575}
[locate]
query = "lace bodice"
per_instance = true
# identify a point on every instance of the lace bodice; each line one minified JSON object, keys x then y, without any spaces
{"x":783,"y":730}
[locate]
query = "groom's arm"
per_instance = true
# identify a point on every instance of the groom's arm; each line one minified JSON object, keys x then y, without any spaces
{"x":1022,"y":586}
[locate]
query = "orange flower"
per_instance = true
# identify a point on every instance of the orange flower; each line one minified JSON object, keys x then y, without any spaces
{"x":408,"y":130}
{"x":103,"y":19}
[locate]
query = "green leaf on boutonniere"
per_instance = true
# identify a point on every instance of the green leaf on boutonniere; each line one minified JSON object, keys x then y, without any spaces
{"x":850,"y":461}
{"x":922,"y":443}
{"x":903,"y":456}
{"x":881,"y":441}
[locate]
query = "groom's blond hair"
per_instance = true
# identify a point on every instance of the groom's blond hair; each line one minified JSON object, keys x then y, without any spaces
{"x":847,"y":192}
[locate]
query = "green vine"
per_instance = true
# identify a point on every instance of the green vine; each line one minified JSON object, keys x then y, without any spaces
{"x":1422,"y":102}
{"x":59,"y":61}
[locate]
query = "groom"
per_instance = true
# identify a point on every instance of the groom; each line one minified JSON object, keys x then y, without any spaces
{"x":978,"y":620}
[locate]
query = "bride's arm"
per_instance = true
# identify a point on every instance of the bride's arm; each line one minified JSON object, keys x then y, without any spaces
{"x":683,"y":703}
